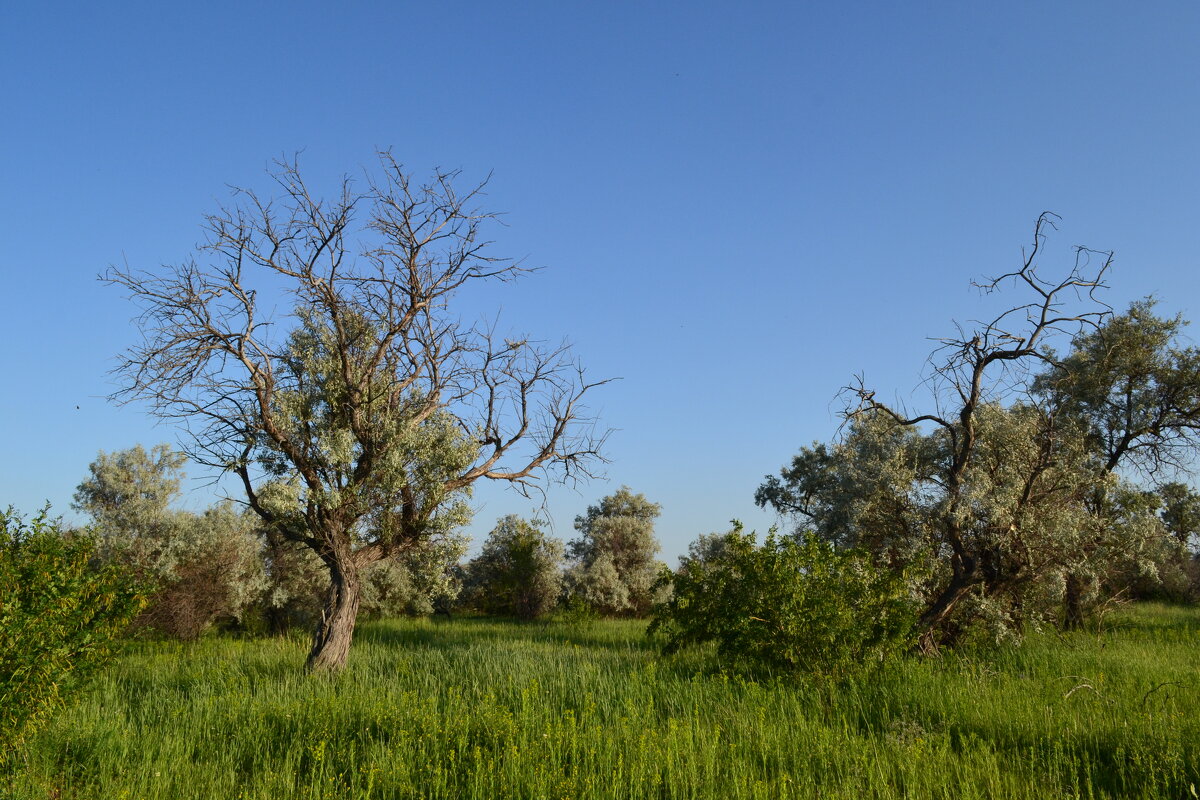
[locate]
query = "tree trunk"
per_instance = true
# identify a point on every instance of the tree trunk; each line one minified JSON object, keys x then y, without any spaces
{"x":331,"y":642}
{"x":931,"y":621}
{"x":1073,"y":603}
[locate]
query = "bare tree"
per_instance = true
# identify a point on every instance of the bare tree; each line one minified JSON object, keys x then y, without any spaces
{"x":358,"y":422}
{"x":982,"y":365}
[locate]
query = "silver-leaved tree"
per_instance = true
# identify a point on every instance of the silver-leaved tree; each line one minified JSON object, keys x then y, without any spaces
{"x":358,"y":420}
{"x":1016,"y":491}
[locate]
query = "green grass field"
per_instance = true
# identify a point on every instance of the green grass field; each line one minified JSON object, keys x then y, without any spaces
{"x":486,"y":709}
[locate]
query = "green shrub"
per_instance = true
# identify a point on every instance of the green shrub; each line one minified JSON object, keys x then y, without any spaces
{"x":59,"y":616}
{"x":792,"y":605}
{"x":419,"y":581}
{"x":518,"y":572}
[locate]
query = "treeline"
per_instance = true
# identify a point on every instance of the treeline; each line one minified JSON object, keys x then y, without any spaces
{"x":223,"y":567}
{"x":1041,"y":488}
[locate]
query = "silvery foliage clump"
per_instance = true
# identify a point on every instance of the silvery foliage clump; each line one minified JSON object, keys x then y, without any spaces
{"x":1025,"y":510}
{"x":706,"y":549}
{"x":127,"y":495}
{"x":421,"y":580}
{"x":226,"y":545}
{"x":419,"y":448}
{"x":613,"y":566}
{"x":205,"y":566}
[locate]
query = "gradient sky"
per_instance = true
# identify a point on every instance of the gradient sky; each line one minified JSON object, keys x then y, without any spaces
{"x":738,"y":206}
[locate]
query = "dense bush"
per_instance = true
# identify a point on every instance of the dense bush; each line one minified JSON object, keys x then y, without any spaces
{"x":203,"y":567}
{"x":794,"y":605}
{"x":60,"y":612}
{"x":420,"y":580}
{"x":1180,"y":515}
{"x":296,"y":584}
{"x":519,"y":571}
{"x":216,"y":573}
{"x":127,"y":496}
{"x":614,"y":565}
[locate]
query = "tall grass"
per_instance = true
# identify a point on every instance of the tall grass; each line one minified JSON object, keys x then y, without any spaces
{"x":485,"y":709}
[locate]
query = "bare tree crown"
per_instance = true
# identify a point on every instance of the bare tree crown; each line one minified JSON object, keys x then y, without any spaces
{"x":1010,"y":344}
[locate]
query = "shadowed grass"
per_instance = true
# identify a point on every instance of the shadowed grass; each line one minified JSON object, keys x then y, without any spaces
{"x":488,"y":709}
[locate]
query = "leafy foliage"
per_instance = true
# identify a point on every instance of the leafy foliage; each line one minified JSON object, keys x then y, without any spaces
{"x":518,"y":572}
{"x":128,"y":494}
{"x":422,"y":580}
{"x":203,"y":567}
{"x":60,"y":613}
{"x":869,"y":490}
{"x":1181,"y":513}
{"x":792,"y":605}
{"x":217,"y":573}
{"x":614,"y":567}
{"x":414,"y":451}
{"x":1136,"y":386}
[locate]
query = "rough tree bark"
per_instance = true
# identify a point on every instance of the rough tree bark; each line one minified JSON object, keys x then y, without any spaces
{"x":335,"y":631}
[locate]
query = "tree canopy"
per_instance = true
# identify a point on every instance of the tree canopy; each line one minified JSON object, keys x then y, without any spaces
{"x":518,"y":572}
{"x":614,"y":567}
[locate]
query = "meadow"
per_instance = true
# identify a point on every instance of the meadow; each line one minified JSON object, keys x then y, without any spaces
{"x":479,"y":708}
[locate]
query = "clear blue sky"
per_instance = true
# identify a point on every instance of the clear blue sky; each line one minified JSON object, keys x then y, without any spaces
{"x":738,"y":205}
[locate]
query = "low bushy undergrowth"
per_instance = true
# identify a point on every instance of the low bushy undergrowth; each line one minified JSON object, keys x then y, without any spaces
{"x":792,"y":605}
{"x":60,"y":613}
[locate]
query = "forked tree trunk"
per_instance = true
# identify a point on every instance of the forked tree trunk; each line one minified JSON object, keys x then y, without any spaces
{"x":331,"y":641}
